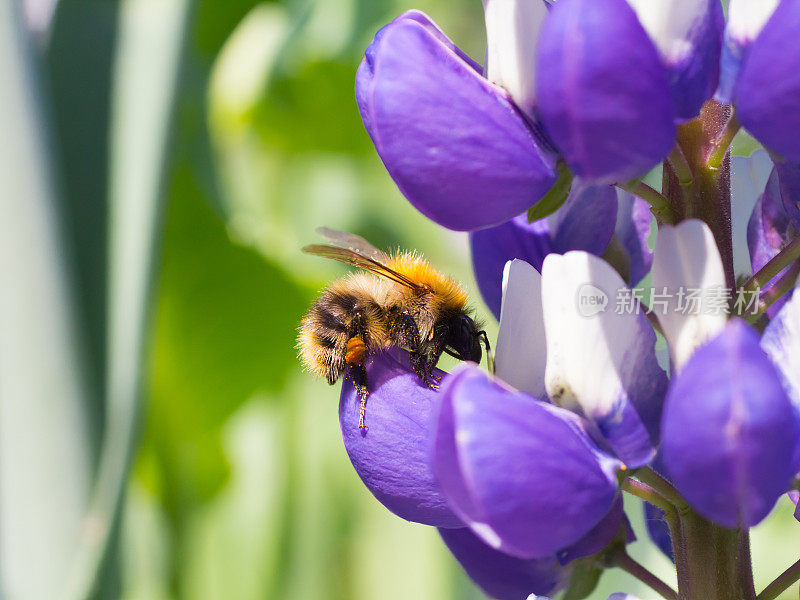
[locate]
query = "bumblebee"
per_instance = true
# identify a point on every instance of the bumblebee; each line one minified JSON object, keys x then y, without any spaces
{"x":400,"y":300}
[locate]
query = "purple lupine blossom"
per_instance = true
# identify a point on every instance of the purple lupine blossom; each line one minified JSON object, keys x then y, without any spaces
{"x":729,"y":431}
{"x":502,"y":576}
{"x":523,"y":469}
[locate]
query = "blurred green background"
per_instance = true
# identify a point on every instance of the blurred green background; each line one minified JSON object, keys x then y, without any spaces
{"x":162,"y":162}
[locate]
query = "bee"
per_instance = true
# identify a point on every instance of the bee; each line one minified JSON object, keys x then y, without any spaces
{"x":399,"y":300}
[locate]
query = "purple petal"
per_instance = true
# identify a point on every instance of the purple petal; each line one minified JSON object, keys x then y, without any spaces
{"x":695,"y":77}
{"x":746,"y":18}
{"x":633,"y":229}
{"x":794,"y":496}
{"x":688,"y":35}
{"x":658,"y":529}
{"x":508,"y":463}
{"x":729,"y":430}
{"x":585,"y":222}
{"x":392,"y":455}
{"x":431,"y":27}
{"x":601,"y":534}
{"x":500,"y":575}
{"x":600,"y":84}
{"x":657,"y":526}
{"x":769,"y":231}
{"x":789,"y":175}
{"x":781,"y":341}
{"x":455,"y":145}
{"x":749,"y":176}
{"x":768,"y":88}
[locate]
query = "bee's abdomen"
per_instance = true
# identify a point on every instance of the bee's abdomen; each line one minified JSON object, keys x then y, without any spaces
{"x":336,"y":318}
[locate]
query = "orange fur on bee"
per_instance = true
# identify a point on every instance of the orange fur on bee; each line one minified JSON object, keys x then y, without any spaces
{"x":446,"y":291}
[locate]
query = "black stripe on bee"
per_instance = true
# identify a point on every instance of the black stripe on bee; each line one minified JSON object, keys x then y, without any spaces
{"x":325,"y":341}
{"x":328,"y":319}
{"x":347,"y":302}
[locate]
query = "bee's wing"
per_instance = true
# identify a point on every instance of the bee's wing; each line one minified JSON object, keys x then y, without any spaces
{"x":355,"y":259}
{"x":353,"y":242}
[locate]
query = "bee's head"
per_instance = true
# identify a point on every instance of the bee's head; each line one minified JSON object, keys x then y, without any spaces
{"x":465,"y":339}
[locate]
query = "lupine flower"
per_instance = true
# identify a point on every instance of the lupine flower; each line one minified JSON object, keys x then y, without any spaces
{"x":760,"y":75}
{"x":455,"y":144}
{"x":729,"y":430}
{"x":500,"y":575}
{"x":392,"y":458}
{"x":542,"y":461}
{"x":522,"y":470}
{"x":458,"y":145}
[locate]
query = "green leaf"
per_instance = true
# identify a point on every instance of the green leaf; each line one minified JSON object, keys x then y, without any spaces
{"x":555,"y":198}
{"x":147,"y":64}
{"x":78,"y":67}
{"x":45,"y":454}
{"x":584,"y":579}
{"x":225,"y":330}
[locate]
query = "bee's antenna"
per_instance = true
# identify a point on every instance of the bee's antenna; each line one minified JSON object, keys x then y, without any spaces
{"x":489,"y":355}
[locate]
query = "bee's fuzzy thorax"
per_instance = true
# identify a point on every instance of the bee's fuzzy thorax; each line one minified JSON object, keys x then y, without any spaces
{"x":447,"y":292}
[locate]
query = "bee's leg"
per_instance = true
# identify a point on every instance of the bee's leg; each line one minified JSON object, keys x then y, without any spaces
{"x":437,"y":345}
{"x":423,"y":369}
{"x":359,"y":375}
{"x":403,"y":330}
{"x":355,"y":357}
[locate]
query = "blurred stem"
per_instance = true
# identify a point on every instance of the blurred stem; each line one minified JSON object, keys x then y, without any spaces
{"x":775,"y":293}
{"x":646,"y":493}
{"x":663,"y":487}
{"x":745,"y":564}
{"x":717,"y":564}
{"x":781,"y":583}
{"x":659,"y":204}
{"x":723,"y":142}
{"x":683,"y":171}
{"x":778,"y":262}
{"x":622,"y":560}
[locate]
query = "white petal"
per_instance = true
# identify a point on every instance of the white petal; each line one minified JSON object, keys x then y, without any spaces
{"x":521,"y":352}
{"x":512,"y":33}
{"x":746,"y":18}
{"x":781,"y":340}
{"x":689,"y":290}
{"x":669,"y":24}
{"x":749,"y":175}
{"x":600,"y":358}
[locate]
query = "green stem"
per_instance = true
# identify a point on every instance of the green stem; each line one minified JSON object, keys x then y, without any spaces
{"x":744,"y":565}
{"x":622,"y":560}
{"x":778,"y":262}
{"x":679,"y":553}
{"x":775,"y":293}
{"x":646,"y":493}
{"x":663,"y":487}
{"x":723,"y":143}
{"x":659,"y":203}
{"x":781,"y":583}
{"x":683,"y":171}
